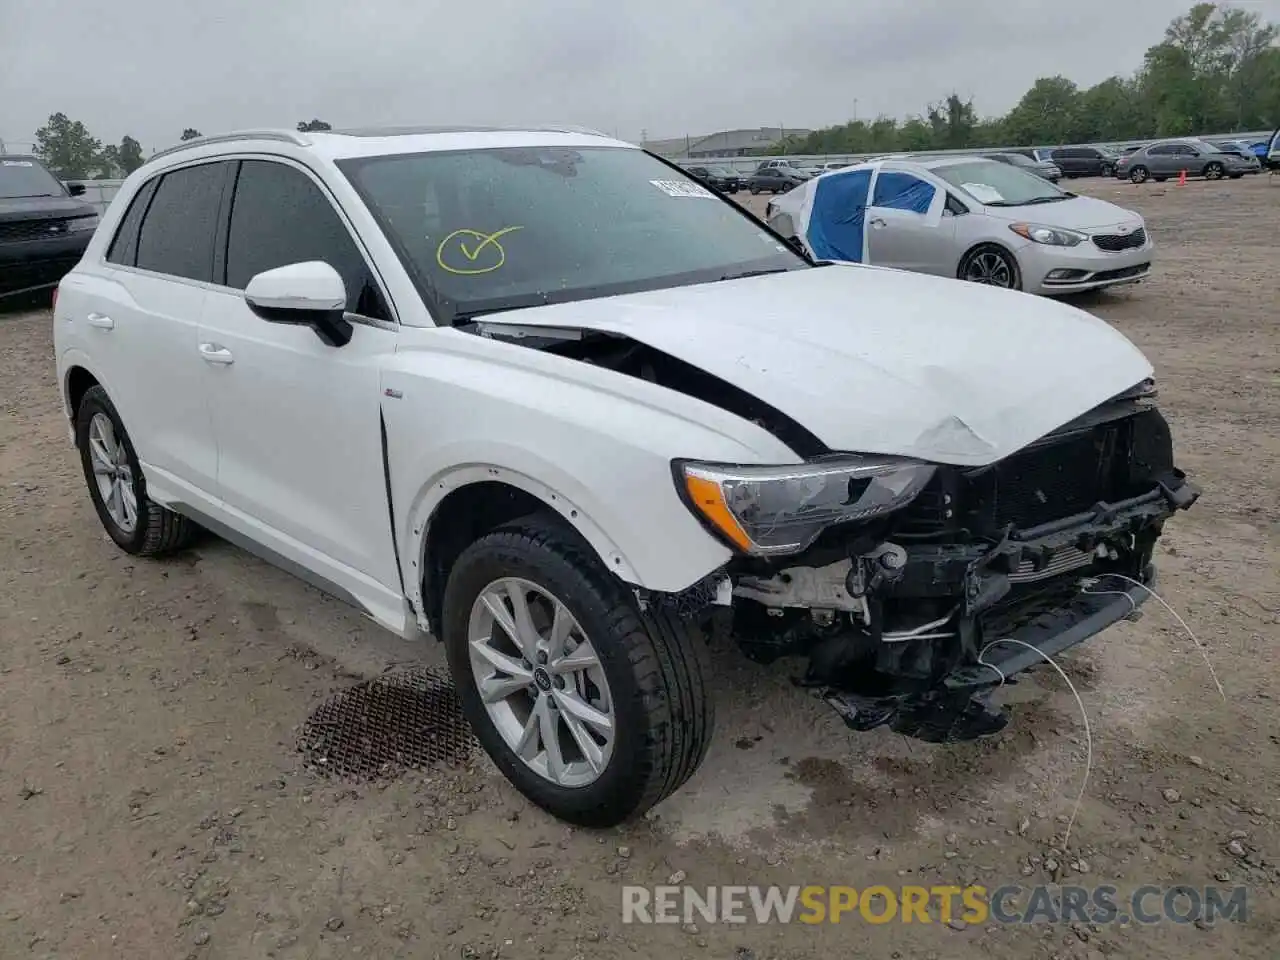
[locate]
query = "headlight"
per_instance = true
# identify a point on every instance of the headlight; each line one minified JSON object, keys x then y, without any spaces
{"x":80,"y":224}
{"x":1053,"y":236}
{"x":778,"y":510}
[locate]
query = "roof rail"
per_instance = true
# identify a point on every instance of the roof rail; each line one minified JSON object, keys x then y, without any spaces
{"x":570,"y":128}
{"x":283,"y":136}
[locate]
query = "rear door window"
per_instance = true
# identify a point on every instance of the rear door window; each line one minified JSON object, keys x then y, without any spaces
{"x":279,"y":217}
{"x":177,"y":232}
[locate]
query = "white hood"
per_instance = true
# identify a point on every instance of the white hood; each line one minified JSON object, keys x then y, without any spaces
{"x":1077,"y":213}
{"x":873,"y":360}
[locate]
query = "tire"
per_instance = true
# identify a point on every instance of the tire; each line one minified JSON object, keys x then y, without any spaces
{"x":755,"y":191}
{"x":1107,"y":170}
{"x":1138,"y":174}
{"x":1213,"y":171}
{"x":654,"y":668}
{"x":154,"y":530}
{"x":993,"y":261}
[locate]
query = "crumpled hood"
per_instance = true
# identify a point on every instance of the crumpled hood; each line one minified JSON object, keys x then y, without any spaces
{"x":1078,"y":213}
{"x":874,"y":360}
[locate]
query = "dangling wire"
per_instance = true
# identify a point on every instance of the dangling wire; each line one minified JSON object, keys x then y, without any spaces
{"x":1088,"y":734}
{"x":1204,"y":654}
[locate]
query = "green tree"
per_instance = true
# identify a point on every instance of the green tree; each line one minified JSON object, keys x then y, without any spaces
{"x":129,"y":155}
{"x":307,"y":126}
{"x":68,"y":148}
{"x":190,"y":134}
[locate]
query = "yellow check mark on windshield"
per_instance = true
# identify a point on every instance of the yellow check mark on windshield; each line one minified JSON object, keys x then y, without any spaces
{"x":471,"y":253}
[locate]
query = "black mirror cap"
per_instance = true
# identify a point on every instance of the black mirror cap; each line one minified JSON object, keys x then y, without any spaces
{"x":331,"y":326}
{"x":75,"y":189}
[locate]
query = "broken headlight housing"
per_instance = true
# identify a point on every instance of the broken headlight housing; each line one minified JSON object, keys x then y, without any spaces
{"x":782,"y":509}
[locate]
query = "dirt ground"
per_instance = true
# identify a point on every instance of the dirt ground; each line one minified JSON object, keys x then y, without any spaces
{"x":153,"y":803}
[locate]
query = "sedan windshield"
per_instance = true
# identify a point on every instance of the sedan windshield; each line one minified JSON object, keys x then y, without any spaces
{"x":27,"y":178}
{"x":999,"y":184}
{"x":498,"y":229}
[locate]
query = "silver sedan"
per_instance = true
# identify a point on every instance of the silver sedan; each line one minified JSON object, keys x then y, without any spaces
{"x":966,"y":217}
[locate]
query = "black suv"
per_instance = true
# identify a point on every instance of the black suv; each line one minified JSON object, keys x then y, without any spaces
{"x":1084,"y":161}
{"x":43,"y":230}
{"x":717,"y":178}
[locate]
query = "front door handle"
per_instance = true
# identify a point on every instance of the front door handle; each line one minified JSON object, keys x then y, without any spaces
{"x":877,"y":222}
{"x":212,"y":353}
{"x":101,"y":320}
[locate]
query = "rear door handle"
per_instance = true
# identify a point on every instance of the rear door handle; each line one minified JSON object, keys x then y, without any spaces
{"x":212,"y":353}
{"x":101,"y":320}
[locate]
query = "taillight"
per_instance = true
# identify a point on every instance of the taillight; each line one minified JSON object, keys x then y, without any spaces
{"x":55,"y":298}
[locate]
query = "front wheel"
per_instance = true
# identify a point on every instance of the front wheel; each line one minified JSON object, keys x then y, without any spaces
{"x":116,"y":485}
{"x":755,"y":191}
{"x":594,"y":710}
{"x":1213,"y":171}
{"x":1138,"y":175}
{"x":992,"y":266}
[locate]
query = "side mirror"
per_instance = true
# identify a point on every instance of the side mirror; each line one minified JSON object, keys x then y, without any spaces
{"x":309,"y":294}
{"x":75,"y":189}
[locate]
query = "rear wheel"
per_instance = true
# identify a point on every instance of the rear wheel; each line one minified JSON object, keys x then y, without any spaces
{"x":594,"y":710}
{"x":754,"y":190}
{"x":1107,"y":170}
{"x":1213,"y":171}
{"x":992,"y":266}
{"x":1138,"y":174}
{"x":116,"y":485}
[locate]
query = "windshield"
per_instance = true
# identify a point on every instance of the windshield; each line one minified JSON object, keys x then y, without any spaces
{"x":721,"y":172}
{"x":999,"y":184}
{"x":498,"y":229}
{"x":27,"y":178}
{"x":1204,"y":146}
{"x":1015,"y":159}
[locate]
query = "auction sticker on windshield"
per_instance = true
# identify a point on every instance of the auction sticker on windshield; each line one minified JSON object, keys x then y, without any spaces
{"x":679,"y":188}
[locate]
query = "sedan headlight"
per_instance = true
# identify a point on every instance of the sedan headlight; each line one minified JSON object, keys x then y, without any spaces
{"x":783,"y":509}
{"x":1052,"y":236}
{"x":81,"y":224}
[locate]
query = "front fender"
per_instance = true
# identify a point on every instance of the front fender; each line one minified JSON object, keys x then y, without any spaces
{"x":593,"y":445}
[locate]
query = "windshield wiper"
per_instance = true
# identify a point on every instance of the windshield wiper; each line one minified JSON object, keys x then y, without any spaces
{"x":29,"y":196}
{"x":1054,"y":199}
{"x":755,"y":273}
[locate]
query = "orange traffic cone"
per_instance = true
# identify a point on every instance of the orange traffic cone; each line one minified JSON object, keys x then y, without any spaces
{"x":1182,"y":178}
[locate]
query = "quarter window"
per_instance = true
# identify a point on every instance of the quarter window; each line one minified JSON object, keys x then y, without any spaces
{"x":279,"y":217}
{"x":124,"y":246}
{"x":177,"y":233}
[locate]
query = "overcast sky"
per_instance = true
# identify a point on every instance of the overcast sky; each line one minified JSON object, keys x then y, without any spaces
{"x":149,"y":68}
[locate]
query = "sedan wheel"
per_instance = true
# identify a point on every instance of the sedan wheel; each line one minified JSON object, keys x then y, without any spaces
{"x":1213,"y":171}
{"x":990,"y":266}
{"x":541,"y":682}
{"x":1138,"y":174}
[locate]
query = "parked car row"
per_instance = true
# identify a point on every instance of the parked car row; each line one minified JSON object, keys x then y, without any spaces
{"x":1195,"y":158}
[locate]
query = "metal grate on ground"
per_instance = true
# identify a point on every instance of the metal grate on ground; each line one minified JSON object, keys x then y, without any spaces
{"x":407,"y":720}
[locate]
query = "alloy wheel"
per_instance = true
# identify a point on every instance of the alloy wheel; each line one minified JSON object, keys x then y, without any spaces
{"x":112,"y":473}
{"x":991,"y":268}
{"x":541,"y":682}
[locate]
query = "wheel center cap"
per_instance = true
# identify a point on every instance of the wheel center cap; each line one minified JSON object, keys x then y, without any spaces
{"x":542,"y":679}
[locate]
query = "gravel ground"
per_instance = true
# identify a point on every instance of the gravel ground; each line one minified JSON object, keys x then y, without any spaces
{"x":153,"y":803}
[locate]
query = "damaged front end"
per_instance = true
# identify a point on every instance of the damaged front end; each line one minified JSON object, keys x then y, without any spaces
{"x":912,"y":615}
